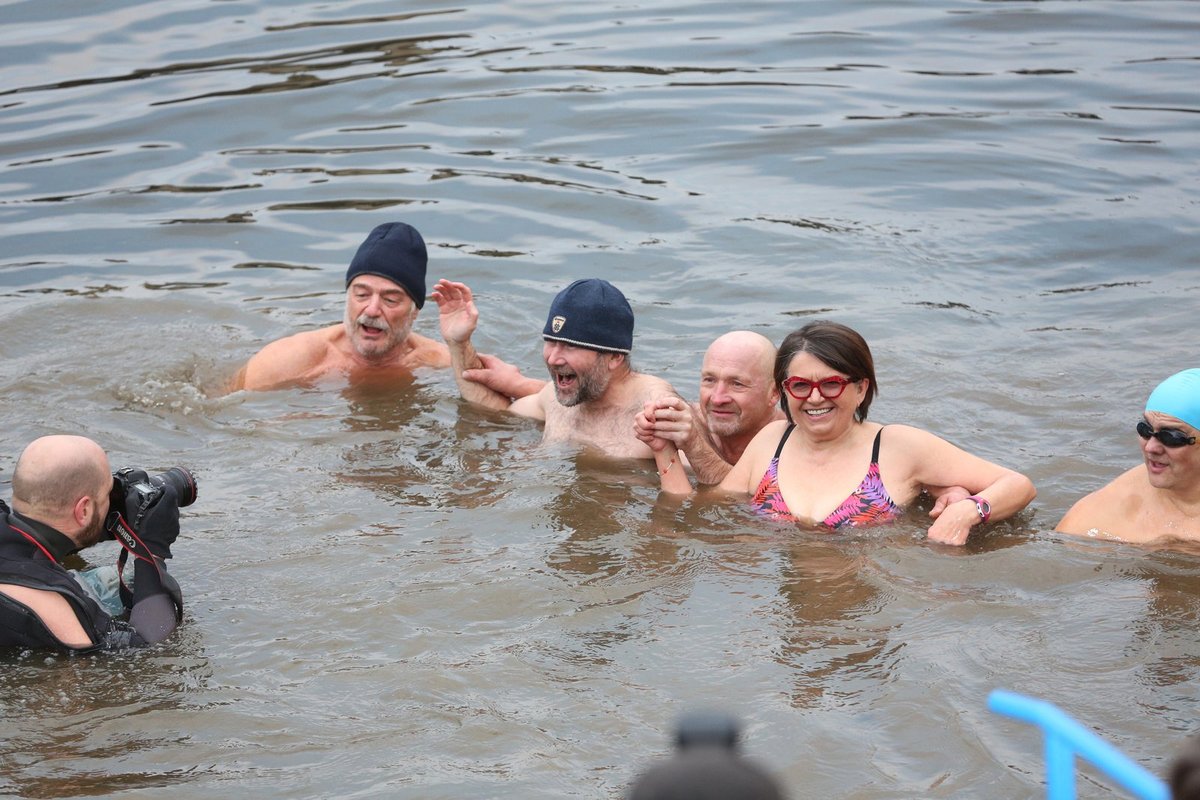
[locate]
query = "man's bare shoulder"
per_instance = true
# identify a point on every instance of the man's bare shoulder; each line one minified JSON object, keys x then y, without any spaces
{"x":1111,"y":511}
{"x":761,"y":448}
{"x":645,"y":387}
{"x":541,"y":405}
{"x":288,"y":360}
{"x":428,"y":352}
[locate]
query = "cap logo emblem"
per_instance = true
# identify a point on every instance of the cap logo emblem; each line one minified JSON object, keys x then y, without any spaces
{"x":557,"y":323}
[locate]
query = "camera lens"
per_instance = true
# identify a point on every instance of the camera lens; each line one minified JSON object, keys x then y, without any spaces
{"x":179,"y":479}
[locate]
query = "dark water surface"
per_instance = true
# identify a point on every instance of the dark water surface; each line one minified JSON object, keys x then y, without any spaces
{"x":392,"y":594}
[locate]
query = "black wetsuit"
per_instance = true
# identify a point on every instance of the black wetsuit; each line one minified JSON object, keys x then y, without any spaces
{"x":30,"y":555}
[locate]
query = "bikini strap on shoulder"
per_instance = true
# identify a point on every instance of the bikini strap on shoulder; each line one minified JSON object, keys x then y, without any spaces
{"x":783,"y":439}
{"x":875,"y":449}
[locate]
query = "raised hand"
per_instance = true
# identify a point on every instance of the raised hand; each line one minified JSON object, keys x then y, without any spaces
{"x":457,"y":314}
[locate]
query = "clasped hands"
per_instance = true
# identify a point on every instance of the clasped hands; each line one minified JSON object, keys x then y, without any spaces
{"x":666,"y":421}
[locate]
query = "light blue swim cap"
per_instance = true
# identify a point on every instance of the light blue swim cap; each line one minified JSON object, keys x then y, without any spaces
{"x":1178,"y":396}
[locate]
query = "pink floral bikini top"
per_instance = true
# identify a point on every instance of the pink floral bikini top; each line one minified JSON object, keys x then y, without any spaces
{"x":868,"y":505}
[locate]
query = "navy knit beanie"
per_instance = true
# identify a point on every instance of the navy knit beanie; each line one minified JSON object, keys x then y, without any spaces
{"x":394,"y":251}
{"x":591,"y":313}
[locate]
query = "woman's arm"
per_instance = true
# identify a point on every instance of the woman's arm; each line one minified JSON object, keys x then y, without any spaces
{"x":996,"y":492}
{"x":670,"y":470}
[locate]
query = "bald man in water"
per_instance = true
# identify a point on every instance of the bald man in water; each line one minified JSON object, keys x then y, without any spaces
{"x":1159,"y":499}
{"x":62,"y":489}
{"x":738,"y":397}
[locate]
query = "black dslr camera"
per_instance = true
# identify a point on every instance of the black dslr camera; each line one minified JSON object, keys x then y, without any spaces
{"x":147,"y":488}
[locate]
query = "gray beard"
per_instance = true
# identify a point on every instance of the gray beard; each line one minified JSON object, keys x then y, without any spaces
{"x":588,"y":388}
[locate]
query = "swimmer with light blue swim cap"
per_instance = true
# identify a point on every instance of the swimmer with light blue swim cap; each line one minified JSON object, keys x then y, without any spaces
{"x":1179,"y":397}
{"x":1158,"y":500}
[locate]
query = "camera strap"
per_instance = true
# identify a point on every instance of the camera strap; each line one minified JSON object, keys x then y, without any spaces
{"x":130,"y":543}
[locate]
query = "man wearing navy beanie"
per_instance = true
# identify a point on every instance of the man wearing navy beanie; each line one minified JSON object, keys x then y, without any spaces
{"x":385,"y":289}
{"x":593,"y":394}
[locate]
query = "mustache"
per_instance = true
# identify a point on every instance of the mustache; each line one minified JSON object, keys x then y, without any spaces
{"x":368,"y":321}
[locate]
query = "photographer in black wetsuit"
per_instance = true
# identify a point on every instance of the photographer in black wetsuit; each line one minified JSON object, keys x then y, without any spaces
{"x":64,"y":498}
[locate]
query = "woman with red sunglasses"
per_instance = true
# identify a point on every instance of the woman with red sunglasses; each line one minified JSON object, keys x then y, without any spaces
{"x":827,"y":466}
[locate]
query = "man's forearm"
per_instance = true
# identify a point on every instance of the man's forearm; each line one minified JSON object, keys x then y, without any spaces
{"x":156,"y":610}
{"x":708,"y":467}
{"x":463,"y":356}
{"x":528,"y":386}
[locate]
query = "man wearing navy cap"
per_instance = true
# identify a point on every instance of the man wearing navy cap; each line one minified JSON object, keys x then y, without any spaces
{"x":593,"y":393}
{"x":385,"y":289}
{"x":1160,"y":498}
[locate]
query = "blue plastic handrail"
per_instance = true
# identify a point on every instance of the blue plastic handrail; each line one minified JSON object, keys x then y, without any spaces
{"x":1064,"y":738}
